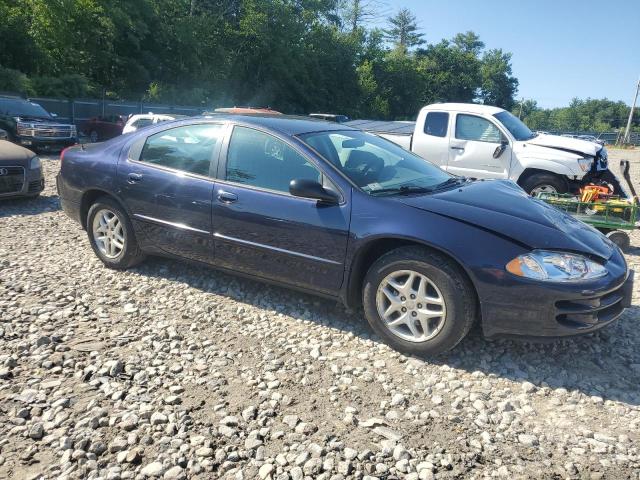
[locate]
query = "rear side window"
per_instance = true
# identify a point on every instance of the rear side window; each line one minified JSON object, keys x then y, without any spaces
{"x":470,"y":127}
{"x":143,"y":122}
{"x":436,"y":124}
{"x":261,"y":160}
{"x":188,"y":149}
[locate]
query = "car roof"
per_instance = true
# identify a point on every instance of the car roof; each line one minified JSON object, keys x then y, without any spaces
{"x":286,"y":124}
{"x":465,"y":107}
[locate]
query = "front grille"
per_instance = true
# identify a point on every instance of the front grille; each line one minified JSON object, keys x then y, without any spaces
{"x":579,"y":314}
{"x":11,"y":180}
{"x":52,"y":132}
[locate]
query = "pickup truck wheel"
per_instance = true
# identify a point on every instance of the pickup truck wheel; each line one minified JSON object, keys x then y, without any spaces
{"x":544,"y":183}
{"x":111,"y":235}
{"x":419,"y":302}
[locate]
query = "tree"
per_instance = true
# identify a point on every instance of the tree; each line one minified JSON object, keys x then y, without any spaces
{"x":498,"y":84}
{"x":358,"y":13}
{"x":469,"y":42}
{"x":403,"y":30}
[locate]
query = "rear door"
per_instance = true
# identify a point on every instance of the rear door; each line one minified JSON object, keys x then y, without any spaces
{"x":261,"y":229}
{"x":433,"y":142}
{"x":166,"y":181}
{"x":474,"y":140}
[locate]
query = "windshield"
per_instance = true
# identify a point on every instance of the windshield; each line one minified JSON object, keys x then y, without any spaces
{"x":22,"y":108}
{"x":374,"y":164}
{"x":512,"y":123}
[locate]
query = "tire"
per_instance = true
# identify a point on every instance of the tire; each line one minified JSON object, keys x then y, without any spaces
{"x":446,"y":280}
{"x":544,"y":182}
{"x":620,"y":238}
{"x":110,"y":253}
{"x":93,"y":136}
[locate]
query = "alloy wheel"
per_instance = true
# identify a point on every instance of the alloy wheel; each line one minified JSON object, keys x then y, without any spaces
{"x":411,"y":306}
{"x":108,"y":233}
{"x":543,"y":189}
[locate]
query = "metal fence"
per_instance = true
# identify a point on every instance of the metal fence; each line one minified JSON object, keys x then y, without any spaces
{"x":78,"y":110}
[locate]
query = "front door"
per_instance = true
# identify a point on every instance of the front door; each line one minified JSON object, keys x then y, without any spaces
{"x":260,"y":229}
{"x":473,"y":142}
{"x":166,"y":181}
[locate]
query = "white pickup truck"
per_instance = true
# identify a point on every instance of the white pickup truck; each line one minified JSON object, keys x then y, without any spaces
{"x":480,"y":141}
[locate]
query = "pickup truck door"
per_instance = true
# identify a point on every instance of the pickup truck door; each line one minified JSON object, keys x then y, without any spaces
{"x":431,"y":140}
{"x":473,"y":145}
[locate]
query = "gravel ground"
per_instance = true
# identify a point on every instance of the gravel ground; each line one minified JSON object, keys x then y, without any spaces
{"x":175,"y":371}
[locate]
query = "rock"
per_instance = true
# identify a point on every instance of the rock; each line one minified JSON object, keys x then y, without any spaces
{"x":265,"y":471}
{"x":154,"y":469}
{"x":36,"y":431}
{"x":528,"y":440}
{"x":174,"y":473}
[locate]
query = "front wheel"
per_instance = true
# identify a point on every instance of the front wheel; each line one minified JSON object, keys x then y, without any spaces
{"x":419,"y":302}
{"x":544,"y":183}
{"x":111,"y":235}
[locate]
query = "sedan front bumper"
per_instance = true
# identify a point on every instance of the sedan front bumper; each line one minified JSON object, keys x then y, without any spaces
{"x":536,"y":309}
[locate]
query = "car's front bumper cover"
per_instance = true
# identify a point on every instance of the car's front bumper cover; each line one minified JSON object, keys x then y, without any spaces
{"x":537,"y":309}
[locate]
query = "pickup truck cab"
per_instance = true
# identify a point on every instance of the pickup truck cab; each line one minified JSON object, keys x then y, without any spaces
{"x":481,"y":141}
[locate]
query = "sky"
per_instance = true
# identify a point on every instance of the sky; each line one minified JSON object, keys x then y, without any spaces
{"x":561,"y":48}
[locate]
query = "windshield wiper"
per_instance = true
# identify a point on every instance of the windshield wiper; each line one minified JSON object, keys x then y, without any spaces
{"x":402,"y":190}
{"x":449,"y":182}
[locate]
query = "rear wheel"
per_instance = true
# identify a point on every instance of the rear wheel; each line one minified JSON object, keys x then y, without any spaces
{"x":419,"y":302}
{"x":544,"y":183}
{"x":111,"y":235}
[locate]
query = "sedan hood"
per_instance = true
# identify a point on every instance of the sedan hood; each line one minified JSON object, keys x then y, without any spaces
{"x":574,"y":145}
{"x":505,"y":209}
{"x":10,"y":154}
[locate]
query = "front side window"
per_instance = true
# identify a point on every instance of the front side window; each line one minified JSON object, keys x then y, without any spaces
{"x":374,"y":164}
{"x":512,"y":123}
{"x":188,"y":149}
{"x":436,"y":124}
{"x":261,"y":160}
{"x":478,"y":129}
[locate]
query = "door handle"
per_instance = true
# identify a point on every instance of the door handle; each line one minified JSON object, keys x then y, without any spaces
{"x":134,"y":178}
{"x":457,"y":148}
{"x":227,"y":197}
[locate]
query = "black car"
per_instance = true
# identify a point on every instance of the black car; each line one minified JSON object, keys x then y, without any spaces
{"x":20,"y":172}
{"x":332,"y":210}
{"x":30,"y":125}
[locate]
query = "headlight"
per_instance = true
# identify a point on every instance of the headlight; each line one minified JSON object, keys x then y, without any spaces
{"x":555,"y":267}
{"x":35,"y":163}
{"x":585,"y":164}
{"x":74,"y":131}
{"x":24,"y":129}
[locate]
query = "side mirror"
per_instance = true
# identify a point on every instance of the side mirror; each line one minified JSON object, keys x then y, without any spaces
{"x":312,"y":189}
{"x":497,"y":153}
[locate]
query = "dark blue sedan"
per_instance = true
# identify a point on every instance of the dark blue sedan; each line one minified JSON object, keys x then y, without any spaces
{"x":334,"y":211}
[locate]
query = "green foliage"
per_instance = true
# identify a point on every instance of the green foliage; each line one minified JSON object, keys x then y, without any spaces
{"x":591,"y":115}
{"x":403,"y":30}
{"x":296,"y":56}
{"x":14,"y":81}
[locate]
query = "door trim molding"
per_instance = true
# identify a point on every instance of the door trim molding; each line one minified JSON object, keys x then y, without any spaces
{"x":275,"y":249}
{"x":179,"y":226}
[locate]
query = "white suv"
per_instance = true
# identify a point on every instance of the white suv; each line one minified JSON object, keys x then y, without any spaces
{"x":137,"y":122}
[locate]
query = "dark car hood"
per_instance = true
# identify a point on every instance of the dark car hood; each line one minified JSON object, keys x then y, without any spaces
{"x":505,"y":209}
{"x":36,"y":119}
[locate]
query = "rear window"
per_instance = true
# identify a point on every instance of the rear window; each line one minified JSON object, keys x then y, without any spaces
{"x":436,"y":124}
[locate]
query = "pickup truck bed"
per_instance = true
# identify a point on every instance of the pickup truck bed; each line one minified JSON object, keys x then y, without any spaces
{"x":397,"y":132}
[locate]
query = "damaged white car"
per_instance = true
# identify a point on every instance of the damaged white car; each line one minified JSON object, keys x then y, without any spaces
{"x":480,"y":141}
